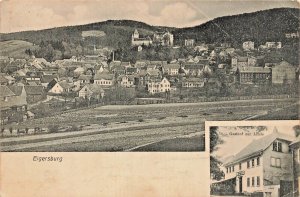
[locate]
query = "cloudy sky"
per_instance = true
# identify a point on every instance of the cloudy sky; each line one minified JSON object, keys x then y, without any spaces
{"x":20,"y":15}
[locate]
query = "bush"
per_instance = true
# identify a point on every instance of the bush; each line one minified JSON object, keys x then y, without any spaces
{"x":141,"y":120}
{"x":53,"y":128}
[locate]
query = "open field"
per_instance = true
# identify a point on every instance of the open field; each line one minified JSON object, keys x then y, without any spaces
{"x":15,"y":48}
{"x":161,"y":127}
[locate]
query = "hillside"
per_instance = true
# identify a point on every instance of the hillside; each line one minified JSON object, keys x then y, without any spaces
{"x":116,"y":33}
{"x":16,"y":48}
{"x":261,"y":26}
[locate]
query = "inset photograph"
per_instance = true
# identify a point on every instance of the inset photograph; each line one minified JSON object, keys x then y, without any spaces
{"x":255,"y":159}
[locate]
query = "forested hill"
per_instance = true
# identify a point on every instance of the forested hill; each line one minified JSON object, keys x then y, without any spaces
{"x":116,"y":33}
{"x":261,"y":26}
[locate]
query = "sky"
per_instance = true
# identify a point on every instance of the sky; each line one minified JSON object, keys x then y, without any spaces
{"x":21,"y":15}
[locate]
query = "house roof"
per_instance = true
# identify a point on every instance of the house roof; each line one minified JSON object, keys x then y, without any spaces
{"x":171,"y":66}
{"x":34,"y":90}
{"x":17,"y":90}
{"x":3,"y":79}
{"x":5,"y":91}
{"x":193,"y":66}
{"x":130,"y":77}
{"x":193,"y":79}
{"x":47,"y":78}
{"x":65,"y":85}
{"x":13,"y":99}
{"x":259,"y":145}
{"x":94,"y":88}
{"x":85,"y":77}
{"x":252,"y":69}
{"x":105,"y":76}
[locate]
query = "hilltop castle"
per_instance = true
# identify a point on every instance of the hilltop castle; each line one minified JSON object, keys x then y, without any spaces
{"x":159,"y":38}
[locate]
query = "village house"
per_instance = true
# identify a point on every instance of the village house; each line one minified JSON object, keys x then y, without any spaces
{"x":144,"y":77}
{"x":263,"y":166}
{"x":131,"y":70}
{"x":159,"y":86}
{"x":276,"y":45}
{"x":248,"y":45}
{"x":189,"y":42}
{"x":192,"y":82}
{"x":163,"y":38}
{"x":254,"y":75}
{"x":13,"y":106}
{"x":295,"y":147}
{"x":91,"y":91}
{"x":104,"y":79}
{"x":85,"y":79}
{"x":61,"y":87}
{"x":171,"y":69}
{"x":191,"y":69}
{"x":126,"y":81}
{"x":283,"y":72}
{"x":239,"y":61}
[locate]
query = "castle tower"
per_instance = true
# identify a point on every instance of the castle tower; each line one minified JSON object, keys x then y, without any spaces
{"x":135,"y":34}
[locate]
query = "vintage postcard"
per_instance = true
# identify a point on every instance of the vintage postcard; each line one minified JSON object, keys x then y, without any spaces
{"x":124,"y":83}
{"x":255,"y":158}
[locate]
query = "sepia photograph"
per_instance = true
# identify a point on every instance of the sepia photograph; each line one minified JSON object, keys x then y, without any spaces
{"x":144,"y":76}
{"x":261,"y":160}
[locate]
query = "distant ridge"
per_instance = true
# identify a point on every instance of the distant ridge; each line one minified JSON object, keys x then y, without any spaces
{"x":261,"y":26}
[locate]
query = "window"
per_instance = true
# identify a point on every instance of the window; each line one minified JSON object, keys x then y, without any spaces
{"x":248,"y":182}
{"x":240,"y":166}
{"x":226,"y":170}
{"x":253,"y":182}
{"x":248,"y":164}
{"x":252,"y":162}
{"x":277,"y":146}
{"x":258,"y":161}
{"x":275,"y":162}
{"x":232,"y":168}
{"x":258,"y":181}
{"x":229,"y":169}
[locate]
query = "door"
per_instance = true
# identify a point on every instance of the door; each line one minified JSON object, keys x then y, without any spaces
{"x":240,"y":184}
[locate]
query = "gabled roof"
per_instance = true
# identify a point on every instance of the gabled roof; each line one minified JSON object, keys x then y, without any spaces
{"x":65,"y":85}
{"x":34,"y":90}
{"x":13,"y":99}
{"x":171,"y":66}
{"x":3,"y":79}
{"x":253,"y":69}
{"x":85,"y":77}
{"x":17,"y":90}
{"x":105,"y":76}
{"x":94,"y":88}
{"x":5,"y":91}
{"x":259,"y":145}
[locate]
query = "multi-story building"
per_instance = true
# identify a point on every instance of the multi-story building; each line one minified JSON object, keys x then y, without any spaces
{"x":13,"y":105}
{"x":104,"y":79}
{"x":171,"y":69}
{"x":163,"y":38}
{"x":283,"y":72}
{"x":264,"y":166}
{"x":159,"y":86}
{"x":136,"y":40}
{"x":254,"y":75}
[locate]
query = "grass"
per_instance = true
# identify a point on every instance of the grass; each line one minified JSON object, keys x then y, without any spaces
{"x":15,"y":48}
{"x":176,"y":145}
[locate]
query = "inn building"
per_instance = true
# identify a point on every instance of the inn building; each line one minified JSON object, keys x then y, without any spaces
{"x":264,"y":166}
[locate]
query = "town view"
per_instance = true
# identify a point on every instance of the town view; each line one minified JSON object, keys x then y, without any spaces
{"x":123,"y":85}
